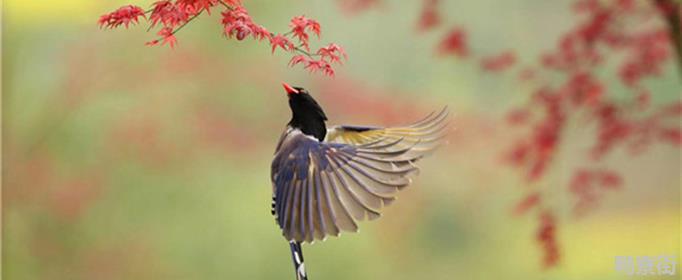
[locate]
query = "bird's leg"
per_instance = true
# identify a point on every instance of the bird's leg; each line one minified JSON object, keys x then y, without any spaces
{"x":297,"y":257}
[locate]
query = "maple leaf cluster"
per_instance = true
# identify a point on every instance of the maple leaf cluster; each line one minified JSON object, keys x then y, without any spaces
{"x":633,"y":36}
{"x":171,"y":16}
{"x":616,"y":32}
{"x":630,"y":122}
{"x":122,"y":16}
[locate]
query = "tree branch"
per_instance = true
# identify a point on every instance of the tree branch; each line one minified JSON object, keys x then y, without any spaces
{"x":671,"y":12}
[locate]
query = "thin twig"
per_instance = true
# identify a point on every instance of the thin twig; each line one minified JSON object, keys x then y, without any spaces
{"x":179,"y":27}
{"x":299,"y":49}
{"x":186,"y":22}
{"x":226,"y":5}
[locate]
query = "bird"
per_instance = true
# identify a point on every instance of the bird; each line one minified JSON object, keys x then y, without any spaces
{"x":326,"y":180}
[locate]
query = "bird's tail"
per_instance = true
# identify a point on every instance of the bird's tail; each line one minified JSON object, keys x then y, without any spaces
{"x":297,"y":257}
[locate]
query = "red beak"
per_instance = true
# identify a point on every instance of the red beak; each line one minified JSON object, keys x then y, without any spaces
{"x":289,"y":89}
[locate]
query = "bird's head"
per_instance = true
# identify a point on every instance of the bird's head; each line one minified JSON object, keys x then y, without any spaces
{"x":306,"y":114}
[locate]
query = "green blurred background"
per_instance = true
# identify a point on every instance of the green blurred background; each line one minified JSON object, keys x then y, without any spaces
{"x":123,"y":161}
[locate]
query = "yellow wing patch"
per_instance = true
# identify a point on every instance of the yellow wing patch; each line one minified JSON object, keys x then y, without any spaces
{"x":421,"y":137}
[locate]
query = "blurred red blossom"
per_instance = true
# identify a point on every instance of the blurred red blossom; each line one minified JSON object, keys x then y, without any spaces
{"x":526,"y":74}
{"x":355,"y":6}
{"x":587,"y":186}
{"x":546,"y":236}
{"x":454,"y":43}
{"x":672,"y":135}
{"x":647,"y":52}
{"x":429,"y":17}
{"x":528,"y":202}
{"x":573,"y":88}
{"x":518,"y":116}
{"x":581,"y":94}
{"x":576,"y":57}
{"x":498,"y":62}
{"x":237,"y":23}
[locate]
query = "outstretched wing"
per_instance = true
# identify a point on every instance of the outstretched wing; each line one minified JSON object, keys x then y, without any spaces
{"x":321,"y":189}
{"x":324,"y":188}
{"x":424,"y":135}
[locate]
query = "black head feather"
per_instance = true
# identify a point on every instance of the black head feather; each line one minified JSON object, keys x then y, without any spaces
{"x":307,"y":115}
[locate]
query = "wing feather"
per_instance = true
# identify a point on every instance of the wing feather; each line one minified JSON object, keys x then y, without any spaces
{"x":295,"y":218}
{"x":422,"y":136}
{"x":287,"y":204}
{"x":342,"y":217}
{"x":324,"y":188}
{"x":348,"y":197}
{"x":330,"y":220}
{"x":343,"y":203}
{"x":369,"y":200}
{"x":302,"y":211}
{"x":319,"y":216}
{"x":310,"y":206}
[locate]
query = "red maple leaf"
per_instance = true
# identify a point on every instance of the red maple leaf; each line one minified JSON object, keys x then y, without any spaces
{"x":280,"y":41}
